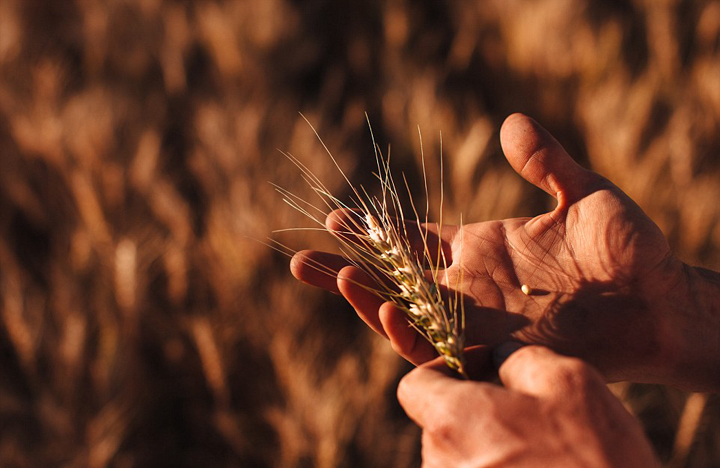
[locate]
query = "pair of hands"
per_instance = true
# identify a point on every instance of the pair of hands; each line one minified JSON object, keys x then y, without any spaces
{"x":605,"y":285}
{"x":553,"y":411}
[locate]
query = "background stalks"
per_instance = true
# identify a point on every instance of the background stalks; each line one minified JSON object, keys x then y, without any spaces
{"x":139,"y":327}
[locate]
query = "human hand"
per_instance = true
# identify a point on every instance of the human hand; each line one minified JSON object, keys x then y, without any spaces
{"x":604,"y":284}
{"x":554,"y":411}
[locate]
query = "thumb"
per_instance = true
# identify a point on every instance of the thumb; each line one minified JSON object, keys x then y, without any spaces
{"x":432,"y":391}
{"x":539,"y":372}
{"x":542,"y":161}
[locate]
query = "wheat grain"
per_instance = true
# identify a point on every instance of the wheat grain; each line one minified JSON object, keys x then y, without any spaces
{"x":374,"y":237}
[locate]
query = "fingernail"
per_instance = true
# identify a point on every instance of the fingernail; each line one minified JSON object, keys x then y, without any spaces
{"x":503,"y":351}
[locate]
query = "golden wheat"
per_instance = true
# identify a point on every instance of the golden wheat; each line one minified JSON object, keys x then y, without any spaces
{"x":150,"y":124}
{"x":374,"y":237}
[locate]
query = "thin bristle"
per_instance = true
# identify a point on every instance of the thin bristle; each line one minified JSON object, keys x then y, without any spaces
{"x":381,"y":248}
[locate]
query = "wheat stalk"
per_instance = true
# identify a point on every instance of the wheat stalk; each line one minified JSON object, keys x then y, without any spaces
{"x":375,"y":239}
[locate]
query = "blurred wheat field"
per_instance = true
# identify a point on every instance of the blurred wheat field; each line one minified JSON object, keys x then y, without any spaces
{"x":140,"y":324}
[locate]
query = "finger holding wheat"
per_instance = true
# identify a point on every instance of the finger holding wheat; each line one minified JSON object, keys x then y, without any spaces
{"x":376,"y":238}
{"x":567,"y":279}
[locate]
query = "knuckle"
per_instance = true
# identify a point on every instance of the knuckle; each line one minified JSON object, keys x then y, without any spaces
{"x":572,"y":368}
{"x":451,"y":413}
{"x":577,"y":377}
{"x":441,"y":428}
{"x":404,"y":387}
{"x":407,"y":389}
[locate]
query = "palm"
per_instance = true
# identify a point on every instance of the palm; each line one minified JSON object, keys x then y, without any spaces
{"x":590,"y":267}
{"x":592,"y":264}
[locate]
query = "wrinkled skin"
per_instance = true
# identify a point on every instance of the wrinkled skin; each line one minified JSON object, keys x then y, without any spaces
{"x":605,"y":286}
{"x":553,"y":412}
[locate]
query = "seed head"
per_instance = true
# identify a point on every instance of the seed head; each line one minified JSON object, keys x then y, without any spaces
{"x":383,"y":252}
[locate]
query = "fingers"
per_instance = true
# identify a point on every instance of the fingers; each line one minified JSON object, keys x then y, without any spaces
{"x":421,"y":391}
{"x":356,"y":286}
{"x":432,"y":392}
{"x":385,"y":318}
{"x":334,"y":273}
{"x":537,"y":371}
{"x":405,"y":340}
{"x":423,"y":238}
{"x":318,"y":268}
{"x":345,"y":223}
{"x":542,"y":161}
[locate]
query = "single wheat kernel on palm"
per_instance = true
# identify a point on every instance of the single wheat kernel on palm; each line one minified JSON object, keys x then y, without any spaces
{"x":374,"y":238}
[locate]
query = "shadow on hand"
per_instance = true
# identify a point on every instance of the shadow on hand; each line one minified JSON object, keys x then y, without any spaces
{"x":601,"y":322}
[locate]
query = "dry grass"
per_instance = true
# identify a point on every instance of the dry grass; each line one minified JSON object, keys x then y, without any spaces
{"x":138,"y":324}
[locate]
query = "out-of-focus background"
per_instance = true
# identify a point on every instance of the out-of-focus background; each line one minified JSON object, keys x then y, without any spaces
{"x":140,"y":323}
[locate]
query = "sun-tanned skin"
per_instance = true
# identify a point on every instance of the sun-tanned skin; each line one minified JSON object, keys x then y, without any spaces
{"x":553,"y":411}
{"x":605,"y":285}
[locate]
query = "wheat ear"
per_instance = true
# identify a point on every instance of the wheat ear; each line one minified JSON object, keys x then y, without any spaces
{"x":376,"y":241}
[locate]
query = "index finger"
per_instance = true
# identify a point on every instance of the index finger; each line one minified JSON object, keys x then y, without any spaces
{"x":433,"y":391}
{"x":540,"y":372}
{"x":318,"y":268}
{"x":425,"y":239}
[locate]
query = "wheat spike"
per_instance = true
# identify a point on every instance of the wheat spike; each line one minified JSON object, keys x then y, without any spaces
{"x":376,"y":241}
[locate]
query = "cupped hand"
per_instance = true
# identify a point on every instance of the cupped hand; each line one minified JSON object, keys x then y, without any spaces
{"x":601,"y":281}
{"x":553,"y":411}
